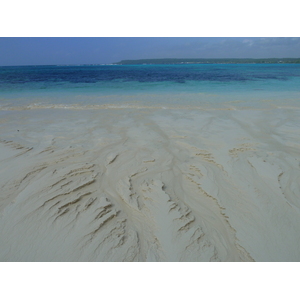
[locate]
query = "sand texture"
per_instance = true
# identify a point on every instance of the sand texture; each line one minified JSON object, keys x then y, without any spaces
{"x":150,"y":185}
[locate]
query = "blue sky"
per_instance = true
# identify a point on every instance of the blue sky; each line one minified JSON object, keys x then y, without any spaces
{"x":96,"y":50}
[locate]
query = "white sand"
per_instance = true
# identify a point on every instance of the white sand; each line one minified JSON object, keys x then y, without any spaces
{"x":150,"y":185}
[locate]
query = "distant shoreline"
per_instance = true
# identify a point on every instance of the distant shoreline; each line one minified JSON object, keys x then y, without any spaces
{"x":177,"y":61}
{"x":210,"y":61}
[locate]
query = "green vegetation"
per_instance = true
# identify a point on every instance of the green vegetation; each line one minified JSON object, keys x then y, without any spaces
{"x":211,"y":61}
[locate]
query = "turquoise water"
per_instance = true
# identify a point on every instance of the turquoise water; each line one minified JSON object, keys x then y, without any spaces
{"x":186,"y":84}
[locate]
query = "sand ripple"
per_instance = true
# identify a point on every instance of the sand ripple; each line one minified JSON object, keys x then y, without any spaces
{"x":151,"y":186}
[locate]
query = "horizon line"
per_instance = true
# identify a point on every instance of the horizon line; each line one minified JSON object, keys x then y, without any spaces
{"x":145,"y":59}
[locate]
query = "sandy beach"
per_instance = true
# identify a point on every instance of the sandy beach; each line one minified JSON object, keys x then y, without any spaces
{"x":150,"y":184}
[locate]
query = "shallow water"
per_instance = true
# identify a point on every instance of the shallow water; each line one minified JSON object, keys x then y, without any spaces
{"x":208,"y":85}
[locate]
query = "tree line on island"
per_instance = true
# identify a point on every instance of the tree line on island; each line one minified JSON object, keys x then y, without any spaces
{"x":210,"y":61}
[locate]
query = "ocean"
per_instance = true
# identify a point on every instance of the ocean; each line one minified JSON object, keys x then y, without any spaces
{"x":179,"y":85}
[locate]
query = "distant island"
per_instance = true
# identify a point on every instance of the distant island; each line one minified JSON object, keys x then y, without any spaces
{"x":161,"y":61}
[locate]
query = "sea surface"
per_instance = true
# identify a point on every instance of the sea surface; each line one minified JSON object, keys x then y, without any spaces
{"x":185,"y":85}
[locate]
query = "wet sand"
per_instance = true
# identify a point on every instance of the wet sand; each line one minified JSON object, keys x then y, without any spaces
{"x":150,"y":184}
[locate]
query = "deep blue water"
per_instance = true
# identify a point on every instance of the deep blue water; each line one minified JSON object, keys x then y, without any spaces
{"x":89,"y":83}
{"x":49,"y":76}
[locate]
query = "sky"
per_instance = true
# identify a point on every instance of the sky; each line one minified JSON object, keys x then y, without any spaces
{"x":106,"y":50}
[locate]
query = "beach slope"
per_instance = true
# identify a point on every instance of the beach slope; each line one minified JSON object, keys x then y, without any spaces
{"x":150,"y":184}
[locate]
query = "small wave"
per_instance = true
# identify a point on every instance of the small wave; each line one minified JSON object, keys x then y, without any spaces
{"x":136,"y":106}
{"x":86,"y":107}
{"x":123,"y":107}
